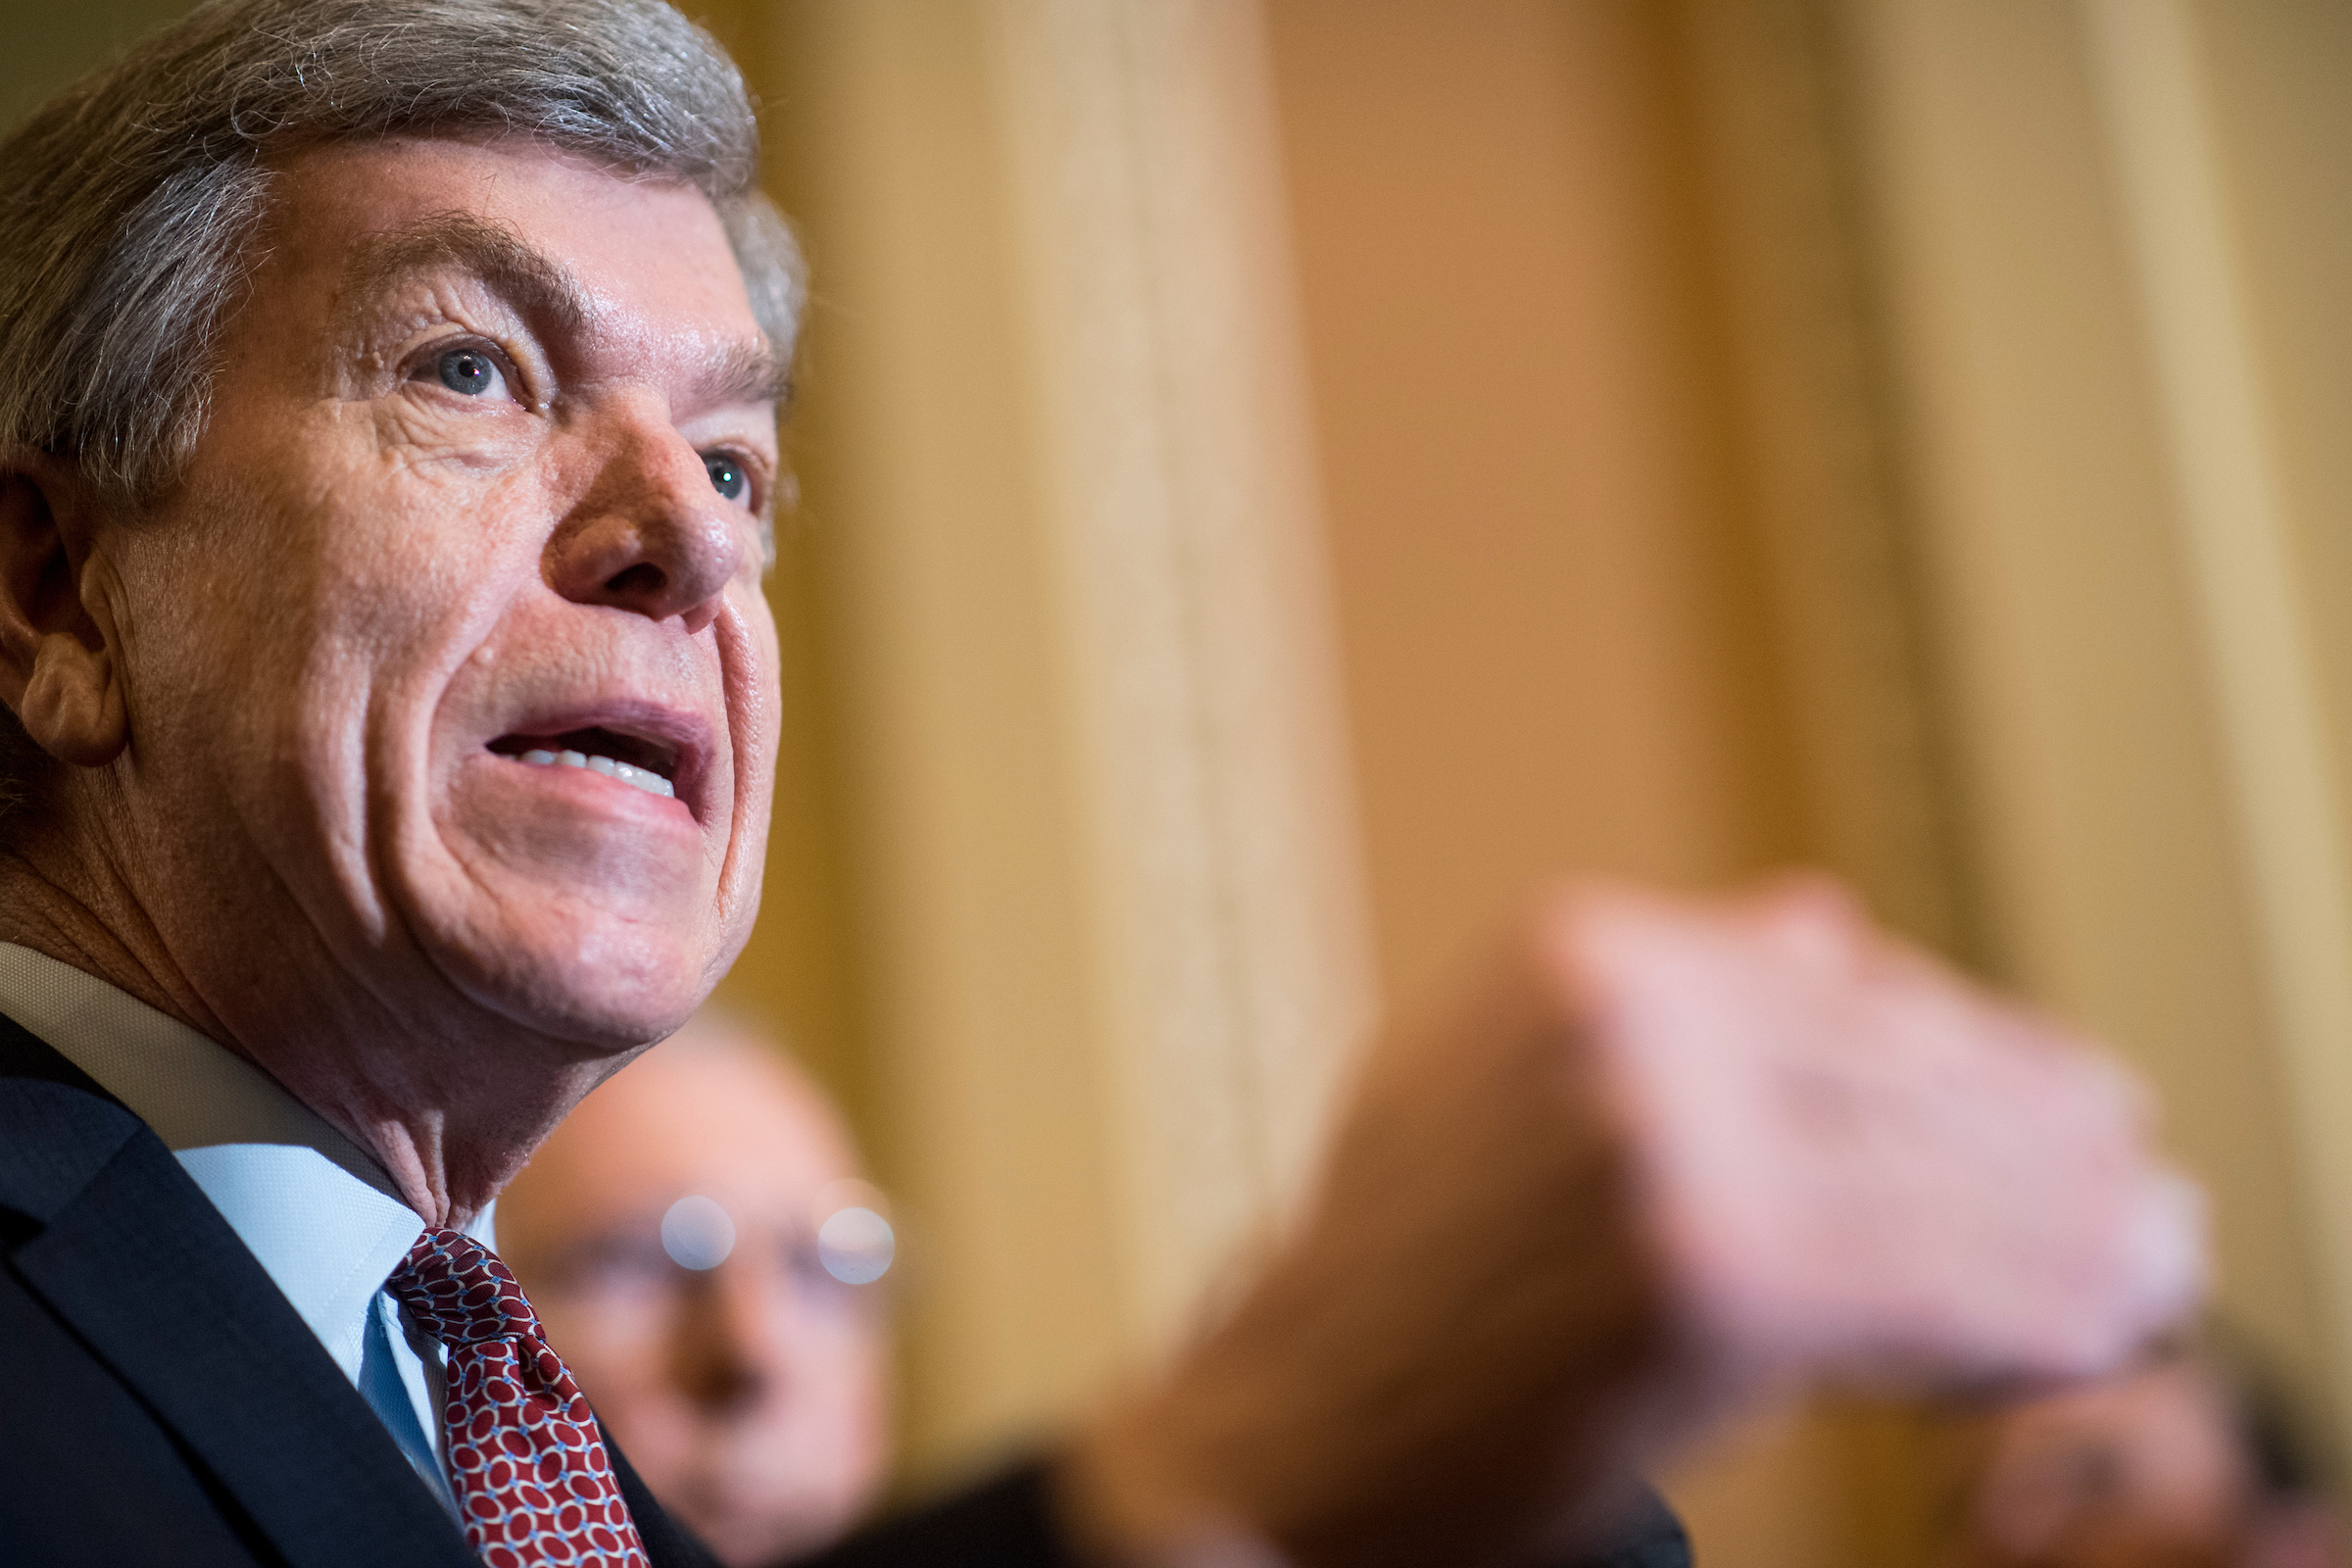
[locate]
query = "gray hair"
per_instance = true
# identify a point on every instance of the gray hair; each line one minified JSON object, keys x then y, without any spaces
{"x":127,"y":201}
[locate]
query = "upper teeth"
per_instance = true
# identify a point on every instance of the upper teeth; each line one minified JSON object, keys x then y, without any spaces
{"x":643,"y":778}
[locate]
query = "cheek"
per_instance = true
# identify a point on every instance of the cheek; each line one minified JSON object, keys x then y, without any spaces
{"x":418,"y":574}
{"x":752,"y":665}
{"x":838,"y":1373}
{"x":614,"y":1345}
{"x":222,"y":606}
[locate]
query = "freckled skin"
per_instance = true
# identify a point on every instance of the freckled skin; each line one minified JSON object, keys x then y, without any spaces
{"x":751,"y":1396}
{"x":301,"y":844}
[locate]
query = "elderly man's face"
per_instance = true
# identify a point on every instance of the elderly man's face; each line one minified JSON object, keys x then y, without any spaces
{"x":479,"y":500}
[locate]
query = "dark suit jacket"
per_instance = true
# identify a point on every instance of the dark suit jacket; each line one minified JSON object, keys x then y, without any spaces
{"x":162,"y":1402}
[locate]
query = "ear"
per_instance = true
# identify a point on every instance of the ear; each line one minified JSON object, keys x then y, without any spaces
{"x":60,"y":663}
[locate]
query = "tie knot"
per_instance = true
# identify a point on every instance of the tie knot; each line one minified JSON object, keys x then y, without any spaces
{"x":458,"y":1291}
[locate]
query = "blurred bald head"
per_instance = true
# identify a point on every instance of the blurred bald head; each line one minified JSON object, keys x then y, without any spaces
{"x":752,"y":1390}
{"x":2174,"y":1463}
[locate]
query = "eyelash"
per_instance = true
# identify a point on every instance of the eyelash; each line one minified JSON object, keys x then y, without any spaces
{"x":755,"y":475}
{"x":423,"y":365}
{"x":426,"y":362}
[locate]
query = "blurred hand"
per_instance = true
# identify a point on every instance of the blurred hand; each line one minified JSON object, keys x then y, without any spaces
{"x":1665,"y":1154}
{"x":1860,"y":1165}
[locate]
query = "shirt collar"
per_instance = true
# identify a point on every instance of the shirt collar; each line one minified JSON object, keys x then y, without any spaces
{"x":320,"y":1215}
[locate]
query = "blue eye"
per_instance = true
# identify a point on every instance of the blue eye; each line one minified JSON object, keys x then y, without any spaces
{"x":468,"y":370}
{"x":726,"y":475}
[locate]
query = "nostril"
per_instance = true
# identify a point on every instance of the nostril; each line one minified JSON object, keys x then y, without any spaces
{"x":643,"y":578}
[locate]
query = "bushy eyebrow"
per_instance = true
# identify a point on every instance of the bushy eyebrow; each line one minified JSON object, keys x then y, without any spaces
{"x":533,"y":283}
{"x":735,"y":373}
{"x":744,"y":372}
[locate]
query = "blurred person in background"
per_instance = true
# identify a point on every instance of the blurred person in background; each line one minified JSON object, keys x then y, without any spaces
{"x":698,"y":1239}
{"x":2185,"y":1461}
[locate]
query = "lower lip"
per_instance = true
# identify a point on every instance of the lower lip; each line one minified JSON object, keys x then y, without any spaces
{"x":584,"y":785}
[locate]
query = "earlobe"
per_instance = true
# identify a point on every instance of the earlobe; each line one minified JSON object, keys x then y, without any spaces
{"x":57,"y":662}
{"x":72,"y":706}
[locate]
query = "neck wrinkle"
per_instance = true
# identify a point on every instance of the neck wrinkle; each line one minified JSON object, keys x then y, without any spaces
{"x":43,"y":910}
{"x":448,"y":1126}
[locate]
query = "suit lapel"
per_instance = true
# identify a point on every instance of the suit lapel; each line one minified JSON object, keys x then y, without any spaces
{"x":137,"y":1261}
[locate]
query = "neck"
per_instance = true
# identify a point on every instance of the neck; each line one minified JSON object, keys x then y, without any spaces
{"x":451,"y":1122}
{"x":450,"y":1104}
{"x":82,"y":915}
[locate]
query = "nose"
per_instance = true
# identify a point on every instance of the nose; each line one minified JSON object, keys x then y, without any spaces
{"x":649,"y":536}
{"x":729,"y":1352}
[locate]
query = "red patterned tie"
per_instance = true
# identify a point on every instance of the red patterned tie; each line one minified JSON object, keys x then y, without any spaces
{"x":527,"y":1464}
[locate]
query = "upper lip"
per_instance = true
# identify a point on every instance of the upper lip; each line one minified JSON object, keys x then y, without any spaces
{"x":672,"y":742}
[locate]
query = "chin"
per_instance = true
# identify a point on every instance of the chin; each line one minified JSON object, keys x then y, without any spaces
{"x":765,"y":1530}
{"x":612,"y":990}
{"x":771,"y":1498}
{"x":608,"y":943}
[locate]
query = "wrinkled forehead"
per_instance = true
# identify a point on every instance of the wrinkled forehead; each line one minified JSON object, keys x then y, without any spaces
{"x":710,"y":1110}
{"x":361,"y":227}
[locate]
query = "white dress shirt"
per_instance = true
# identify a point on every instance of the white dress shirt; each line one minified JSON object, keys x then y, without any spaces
{"x":317,"y":1211}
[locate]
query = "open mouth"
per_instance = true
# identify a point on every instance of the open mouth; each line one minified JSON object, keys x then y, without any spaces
{"x":630,"y":760}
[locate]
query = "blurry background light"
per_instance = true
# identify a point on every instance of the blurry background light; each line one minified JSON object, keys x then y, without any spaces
{"x":855,"y":1246}
{"x":697,"y":1233}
